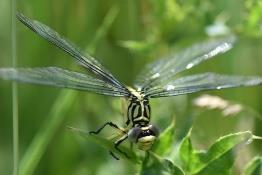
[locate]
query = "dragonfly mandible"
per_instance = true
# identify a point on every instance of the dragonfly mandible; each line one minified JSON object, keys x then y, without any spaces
{"x":158,"y":79}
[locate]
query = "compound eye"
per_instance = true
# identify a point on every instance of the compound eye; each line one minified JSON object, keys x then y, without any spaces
{"x":133,"y":134}
{"x":154,"y":129}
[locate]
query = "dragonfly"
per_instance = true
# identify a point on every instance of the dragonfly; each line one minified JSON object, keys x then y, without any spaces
{"x":157,"y":79}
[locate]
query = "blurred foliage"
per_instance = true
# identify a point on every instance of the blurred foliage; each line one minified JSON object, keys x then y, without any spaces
{"x":254,"y":166}
{"x":124,"y":36}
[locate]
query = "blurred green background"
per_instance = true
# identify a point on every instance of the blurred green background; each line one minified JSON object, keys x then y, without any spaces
{"x":123,"y":35}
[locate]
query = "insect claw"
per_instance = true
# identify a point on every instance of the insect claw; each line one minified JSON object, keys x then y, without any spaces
{"x":92,"y":132}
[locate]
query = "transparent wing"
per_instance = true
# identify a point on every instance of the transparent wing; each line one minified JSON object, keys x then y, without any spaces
{"x":84,"y":59}
{"x":200,"y":82}
{"x":57,"y":77}
{"x":166,"y":68}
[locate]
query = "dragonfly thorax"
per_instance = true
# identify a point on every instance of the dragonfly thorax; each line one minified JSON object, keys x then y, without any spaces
{"x":138,"y":112}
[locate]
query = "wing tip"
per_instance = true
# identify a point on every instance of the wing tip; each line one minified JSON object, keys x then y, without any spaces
{"x":20,"y":16}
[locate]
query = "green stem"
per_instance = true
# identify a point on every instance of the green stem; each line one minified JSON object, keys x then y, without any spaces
{"x":14,"y":92}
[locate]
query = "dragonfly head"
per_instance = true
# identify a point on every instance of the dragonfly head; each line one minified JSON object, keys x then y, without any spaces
{"x":143,"y":136}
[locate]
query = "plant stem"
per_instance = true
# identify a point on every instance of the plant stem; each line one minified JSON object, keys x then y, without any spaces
{"x":14,"y":92}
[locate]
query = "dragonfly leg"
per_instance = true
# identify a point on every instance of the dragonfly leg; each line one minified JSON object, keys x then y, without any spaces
{"x":113,"y":155}
{"x":118,"y":142}
{"x":106,"y":124}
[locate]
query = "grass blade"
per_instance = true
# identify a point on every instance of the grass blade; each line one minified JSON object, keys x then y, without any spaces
{"x":39,"y":144}
{"x":102,"y":30}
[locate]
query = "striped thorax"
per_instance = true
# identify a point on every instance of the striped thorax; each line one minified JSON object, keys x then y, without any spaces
{"x":142,"y":132}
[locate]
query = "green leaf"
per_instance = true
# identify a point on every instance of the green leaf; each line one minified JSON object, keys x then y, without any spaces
{"x":106,"y":144}
{"x":171,"y":168}
{"x":165,"y":141}
{"x":187,"y":153}
{"x":218,"y":159}
{"x":254,"y":167}
{"x":155,"y":165}
{"x":253,"y":18}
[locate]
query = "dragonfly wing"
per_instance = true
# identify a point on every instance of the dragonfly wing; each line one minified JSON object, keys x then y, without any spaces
{"x":164,"y":69}
{"x":84,"y":59}
{"x":57,"y":77}
{"x":200,"y":82}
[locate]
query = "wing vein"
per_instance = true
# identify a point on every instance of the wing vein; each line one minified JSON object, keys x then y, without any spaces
{"x":200,"y":82}
{"x":57,"y":77}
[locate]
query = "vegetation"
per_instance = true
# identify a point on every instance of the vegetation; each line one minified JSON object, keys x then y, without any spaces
{"x":219,"y":137}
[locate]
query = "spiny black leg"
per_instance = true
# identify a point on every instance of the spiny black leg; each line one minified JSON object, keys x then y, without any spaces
{"x":113,"y":155}
{"x":118,"y":142}
{"x":100,"y":129}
